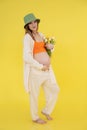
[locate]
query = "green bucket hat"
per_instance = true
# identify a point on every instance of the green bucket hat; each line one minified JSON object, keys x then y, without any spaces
{"x":29,"y":18}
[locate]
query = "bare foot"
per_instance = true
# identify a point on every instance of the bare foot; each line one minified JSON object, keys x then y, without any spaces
{"x":47,"y":116}
{"x":40,"y":121}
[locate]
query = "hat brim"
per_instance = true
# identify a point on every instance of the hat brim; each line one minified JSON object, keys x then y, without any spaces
{"x":38,"y":20}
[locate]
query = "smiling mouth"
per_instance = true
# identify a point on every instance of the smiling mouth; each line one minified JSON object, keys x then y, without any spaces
{"x":34,"y":27}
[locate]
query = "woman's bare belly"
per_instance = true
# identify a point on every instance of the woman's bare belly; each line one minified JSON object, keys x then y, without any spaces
{"x":42,"y":58}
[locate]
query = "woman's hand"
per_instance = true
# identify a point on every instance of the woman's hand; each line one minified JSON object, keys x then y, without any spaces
{"x":45,"y":68}
{"x":49,"y":46}
{"x":27,"y":90}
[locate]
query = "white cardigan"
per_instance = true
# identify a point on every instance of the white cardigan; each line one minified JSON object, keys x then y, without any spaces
{"x":28,"y":44}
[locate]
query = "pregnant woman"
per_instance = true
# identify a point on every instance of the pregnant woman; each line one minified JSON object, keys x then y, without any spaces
{"x":37,"y":69}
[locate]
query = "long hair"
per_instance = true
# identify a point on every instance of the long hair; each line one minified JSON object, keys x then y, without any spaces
{"x":29,"y":31}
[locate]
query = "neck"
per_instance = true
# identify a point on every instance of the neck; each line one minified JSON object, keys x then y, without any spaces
{"x":34,"y":32}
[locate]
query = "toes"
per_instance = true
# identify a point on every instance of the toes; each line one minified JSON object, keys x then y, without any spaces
{"x":40,"y":121}
{"x":47,"y":116}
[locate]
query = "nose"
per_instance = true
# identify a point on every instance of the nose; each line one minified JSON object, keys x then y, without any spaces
{"x":33,"y":23}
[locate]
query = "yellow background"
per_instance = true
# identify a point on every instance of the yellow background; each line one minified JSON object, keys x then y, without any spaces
{"x":67,"y":21}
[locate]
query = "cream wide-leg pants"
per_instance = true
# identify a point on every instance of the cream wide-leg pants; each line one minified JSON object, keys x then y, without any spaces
{"x":39,"y":79}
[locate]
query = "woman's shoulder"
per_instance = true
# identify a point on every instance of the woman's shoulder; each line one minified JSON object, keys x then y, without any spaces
{"x":27,"y":36}
{"x":42,"y":35}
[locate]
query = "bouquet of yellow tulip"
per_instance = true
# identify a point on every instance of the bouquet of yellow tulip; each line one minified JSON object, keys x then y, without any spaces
{"x":49,"y":41}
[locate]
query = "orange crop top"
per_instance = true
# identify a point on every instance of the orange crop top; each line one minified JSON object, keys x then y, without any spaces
{"x":38,"y":47}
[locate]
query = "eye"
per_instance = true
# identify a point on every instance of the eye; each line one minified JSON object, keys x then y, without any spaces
{"x":30,"y":23}
{"x":35,"y":21}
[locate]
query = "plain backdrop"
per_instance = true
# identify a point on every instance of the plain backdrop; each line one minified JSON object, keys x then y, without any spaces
{"x":66,"y":20}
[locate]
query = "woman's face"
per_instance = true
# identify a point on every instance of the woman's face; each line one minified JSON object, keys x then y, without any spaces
{"x":33,"y":26}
